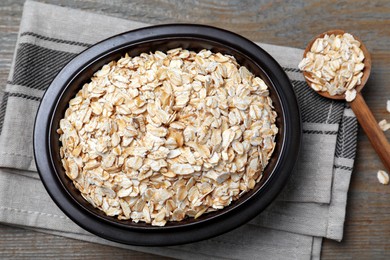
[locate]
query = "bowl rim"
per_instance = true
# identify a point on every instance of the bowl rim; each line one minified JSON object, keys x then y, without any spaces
{"x":153,"y":236}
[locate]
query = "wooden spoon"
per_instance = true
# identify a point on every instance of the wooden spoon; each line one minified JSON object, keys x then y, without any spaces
{"x":359,"y":106}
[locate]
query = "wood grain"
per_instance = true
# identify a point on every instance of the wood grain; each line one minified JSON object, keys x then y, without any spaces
{"x":21,"y":244}
{"x":292,"y":23}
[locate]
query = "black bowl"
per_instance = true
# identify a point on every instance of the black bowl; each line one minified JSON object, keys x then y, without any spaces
{"x":165,"y":37}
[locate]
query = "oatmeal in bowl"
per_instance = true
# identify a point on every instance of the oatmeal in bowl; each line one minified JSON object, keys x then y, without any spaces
{"x":174,"y":131}
{"x":164,"y":136}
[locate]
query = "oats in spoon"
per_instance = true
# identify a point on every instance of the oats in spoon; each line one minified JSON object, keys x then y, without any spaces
{"x":335,"y":64}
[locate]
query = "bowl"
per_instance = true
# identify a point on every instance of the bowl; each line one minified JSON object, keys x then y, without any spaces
{"x":193,"y":37}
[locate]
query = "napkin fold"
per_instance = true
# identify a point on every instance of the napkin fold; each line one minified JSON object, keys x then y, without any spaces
{"x":311,"y":206}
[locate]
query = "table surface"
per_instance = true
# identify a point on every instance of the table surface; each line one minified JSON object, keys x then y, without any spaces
{"x":292,"y":23}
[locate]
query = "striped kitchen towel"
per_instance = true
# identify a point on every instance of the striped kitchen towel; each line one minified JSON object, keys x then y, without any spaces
{"x":311,"y":206}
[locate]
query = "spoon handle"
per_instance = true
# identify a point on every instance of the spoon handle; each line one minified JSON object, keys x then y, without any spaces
{"x":371,"y":127}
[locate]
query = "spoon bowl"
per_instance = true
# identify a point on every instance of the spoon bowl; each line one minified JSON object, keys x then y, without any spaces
{"x":362,"y":111}
{"x":366,"y":61}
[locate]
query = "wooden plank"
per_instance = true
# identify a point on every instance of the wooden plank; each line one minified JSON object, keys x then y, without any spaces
{"x":292,"y":23}
{"x":26,"y":244}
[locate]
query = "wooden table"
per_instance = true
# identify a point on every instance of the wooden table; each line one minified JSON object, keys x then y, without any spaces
{"x":367,"y":227}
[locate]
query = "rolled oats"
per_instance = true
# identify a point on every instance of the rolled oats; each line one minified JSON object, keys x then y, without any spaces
{"x":383,"y":177}
{"x":350,"y":95}
{"x":388,"y":106}
{"x":164,"y":136}
{"x":384,"y":125}
{"x":335,"y":64}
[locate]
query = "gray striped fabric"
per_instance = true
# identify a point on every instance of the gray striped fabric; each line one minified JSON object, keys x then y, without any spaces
{"x":311,"y":206}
